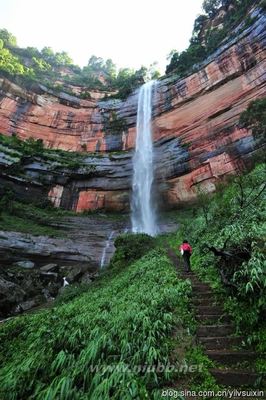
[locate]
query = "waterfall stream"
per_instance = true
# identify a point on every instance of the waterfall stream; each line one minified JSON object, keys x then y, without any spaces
{"x":107,"y":245}
{"x":142,"y":208}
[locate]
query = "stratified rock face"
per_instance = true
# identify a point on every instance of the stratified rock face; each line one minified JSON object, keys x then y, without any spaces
{"x":93,"y":199}
{"x":195,"y":125}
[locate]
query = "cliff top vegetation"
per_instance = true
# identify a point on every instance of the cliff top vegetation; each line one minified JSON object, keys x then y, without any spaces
{"x":210,"y":30}
{"x":30,"y":66}
{"x":56,"y":70}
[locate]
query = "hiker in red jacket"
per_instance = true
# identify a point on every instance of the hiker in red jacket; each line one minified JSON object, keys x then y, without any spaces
{"x":186,"y":251}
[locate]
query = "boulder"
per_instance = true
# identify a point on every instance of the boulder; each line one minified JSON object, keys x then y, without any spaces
{"x":27,"y":305}
{"x":18,"y":244}
{"x":72,"y":273}
{"x":49,"y":268}
{"x":47,"y":294}
{"x":10,"y":295}
{"x":24,"y":264}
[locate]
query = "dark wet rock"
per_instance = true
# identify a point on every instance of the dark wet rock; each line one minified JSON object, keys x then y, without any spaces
{"x":77,"y":258}
{"x":30,"y":283}
{"x":10,"y":275}
{"x":72,"y":273}
{"x":50,"y":276}
{"x":47,"y":294}
{"x":42,"y":248}
{"x":27,"y":305}
{"x":10,"y":295}
{"x":49,"y":268}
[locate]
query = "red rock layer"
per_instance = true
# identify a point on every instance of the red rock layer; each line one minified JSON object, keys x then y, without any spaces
{"x":201,"y":111}
{"x":97,"y":200}
{"x":58,"y":125}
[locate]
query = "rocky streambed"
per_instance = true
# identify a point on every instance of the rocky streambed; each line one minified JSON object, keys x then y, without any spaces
{"x":34,"y":269}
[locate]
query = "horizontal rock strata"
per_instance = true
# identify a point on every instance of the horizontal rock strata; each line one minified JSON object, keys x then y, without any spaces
{"x":195,"y":124}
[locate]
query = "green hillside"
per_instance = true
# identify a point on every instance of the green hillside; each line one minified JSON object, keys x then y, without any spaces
{"x":109,"y":339}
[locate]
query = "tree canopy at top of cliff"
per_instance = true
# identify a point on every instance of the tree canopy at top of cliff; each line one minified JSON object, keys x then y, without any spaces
{"x":210,"y":29}
{"x":57,"y":71}
{"x":28,"y":66}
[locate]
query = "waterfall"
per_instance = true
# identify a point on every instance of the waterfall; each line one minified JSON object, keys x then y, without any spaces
{"x":142,"y":210}
{"x":106,"y":247}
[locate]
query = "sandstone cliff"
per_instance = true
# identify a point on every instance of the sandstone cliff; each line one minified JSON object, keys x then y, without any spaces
{"x":196,"y":133}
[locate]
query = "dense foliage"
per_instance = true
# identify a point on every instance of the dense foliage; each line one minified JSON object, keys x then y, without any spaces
{"x":56,"y":70}
{"x":130,"y":247}
{"x":228,"y":235}
{"x":205,"y":38}
{"x":98,"y":345}
{"x":254,"y":118}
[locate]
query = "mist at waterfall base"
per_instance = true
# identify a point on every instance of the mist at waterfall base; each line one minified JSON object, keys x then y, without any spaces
{"x":143,"y":216}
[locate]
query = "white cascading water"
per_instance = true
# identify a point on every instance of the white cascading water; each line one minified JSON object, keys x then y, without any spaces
{"x":142,"y":210}
{"x":106,"y":247}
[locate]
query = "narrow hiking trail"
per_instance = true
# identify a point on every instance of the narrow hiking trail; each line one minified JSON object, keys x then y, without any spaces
{"x":216,"y":334}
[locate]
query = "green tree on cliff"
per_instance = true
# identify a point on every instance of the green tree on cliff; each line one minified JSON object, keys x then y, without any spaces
{"x":211,"y":6}
{"x":205,"y":39}
{"x":254,"y":118}
{"x":8,"y":38}
{"x":47,"y":53}
{"x":198,"y":25}
{"x":63,"y":58}
{"x":9,"y":63}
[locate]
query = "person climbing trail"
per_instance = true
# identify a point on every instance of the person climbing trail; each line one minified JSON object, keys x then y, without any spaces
{"x":186,"y":251}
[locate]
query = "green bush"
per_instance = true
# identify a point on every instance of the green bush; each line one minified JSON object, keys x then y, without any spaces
{"x":130,"y":247}
{"x":8,"y":38}
{"x":254,"y":118}
{"x":28,"y":66}
{"x":6,"y":199}
{"x":29,"y":147}
{"x":114,"y":124}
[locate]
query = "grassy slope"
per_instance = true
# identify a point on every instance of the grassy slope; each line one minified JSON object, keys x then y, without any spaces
{"x":138,"y":315}
{"x":29,"y":218}
{"x":125,"y":318}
